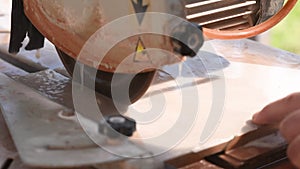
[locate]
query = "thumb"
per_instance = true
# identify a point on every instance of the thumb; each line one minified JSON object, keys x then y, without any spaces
{"x":276,"y":111}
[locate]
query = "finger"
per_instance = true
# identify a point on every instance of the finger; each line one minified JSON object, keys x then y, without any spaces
{"x":293,"y":151}
{"x":289,"y":127}
{"x":276,"y":111}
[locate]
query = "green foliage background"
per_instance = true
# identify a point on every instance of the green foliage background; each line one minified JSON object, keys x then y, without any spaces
{"x":286,"y":35}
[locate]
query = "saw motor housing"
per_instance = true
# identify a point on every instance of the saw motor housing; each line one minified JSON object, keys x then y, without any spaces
{"x":67,"y":29}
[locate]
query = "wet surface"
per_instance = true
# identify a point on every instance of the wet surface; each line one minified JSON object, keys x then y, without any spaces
{"x":11,"y":70}
{"x":51,"y":84}
{"x":249,"y":51}
{"x":201,"y":66}
{"x":58,"y":88}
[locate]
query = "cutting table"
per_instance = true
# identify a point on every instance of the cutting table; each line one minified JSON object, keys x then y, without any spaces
{"x":257,"y":75}
{"x":39,"y":129}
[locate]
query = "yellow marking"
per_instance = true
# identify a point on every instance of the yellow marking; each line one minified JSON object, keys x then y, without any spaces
{"x":140,"y":47}
{"x":141,"y":55}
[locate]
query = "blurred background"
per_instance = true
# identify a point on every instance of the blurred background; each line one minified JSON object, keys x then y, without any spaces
{"x":286,"y":34}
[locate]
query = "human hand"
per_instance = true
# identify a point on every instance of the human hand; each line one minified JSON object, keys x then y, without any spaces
{"x":286,"y":113}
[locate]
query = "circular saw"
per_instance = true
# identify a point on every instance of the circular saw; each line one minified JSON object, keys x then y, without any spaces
{"x":72,"y":25}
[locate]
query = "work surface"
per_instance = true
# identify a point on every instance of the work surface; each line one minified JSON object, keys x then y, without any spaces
{"x":227,"y":99}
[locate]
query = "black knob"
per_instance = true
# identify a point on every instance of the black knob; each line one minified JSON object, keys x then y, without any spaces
{"x":120,"y":124}
{"x":187,"y":39}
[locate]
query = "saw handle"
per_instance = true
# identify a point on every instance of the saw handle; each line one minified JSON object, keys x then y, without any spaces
{"x":252,"y":31}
